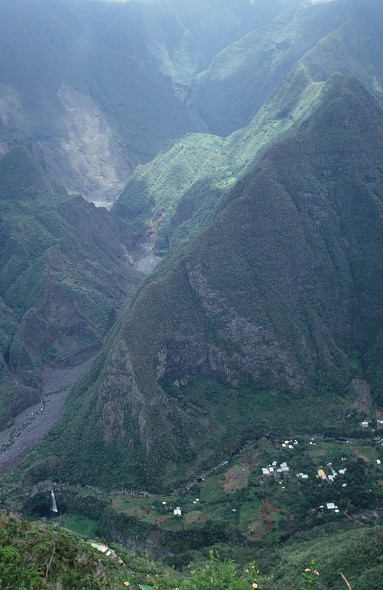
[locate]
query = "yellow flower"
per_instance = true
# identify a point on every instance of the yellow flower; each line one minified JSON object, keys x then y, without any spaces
{"x":254,"y":585}
{"x":307,"y":569}
{"x":127,"y":584}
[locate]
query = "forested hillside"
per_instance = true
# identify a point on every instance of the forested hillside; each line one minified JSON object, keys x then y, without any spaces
{"x":191,"y":348}
{"x":65,"y":275}
{"x":268,"y":306}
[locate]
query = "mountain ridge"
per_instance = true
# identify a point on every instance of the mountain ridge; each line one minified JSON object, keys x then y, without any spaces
{"x":65,"y":275}
{"x":267,"y":314}
{"x":172,"y":198}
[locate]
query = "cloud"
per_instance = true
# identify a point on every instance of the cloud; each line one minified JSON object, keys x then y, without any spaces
{"x":117,"y":1}
{"x":113,"y":1}
{"x":311,"y":2}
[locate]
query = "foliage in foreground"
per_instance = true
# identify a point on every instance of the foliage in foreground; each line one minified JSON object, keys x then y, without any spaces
{"x":216,"y":574}
{"x":36,"y":556}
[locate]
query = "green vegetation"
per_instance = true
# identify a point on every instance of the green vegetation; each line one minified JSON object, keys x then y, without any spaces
{"x":36,"y":556}
{"x":228,"y":330}
{"x":58,"y":256}
{"x":171,"y":38}
{"x":343,"y":552}
{"x":43,"y":557}
{"x":152,"y":72}
{"x":86,"y":94}
{"x":262,"y":325}
{"x":191,"y":171}
{"x":280,"y":520}
{"x":80,"y":525}
{"x":40,"y":556}
{"x":233,"y":502}
{"x":242,"y":76}
{"x":174,"y":197}
{"x":170,"y":200}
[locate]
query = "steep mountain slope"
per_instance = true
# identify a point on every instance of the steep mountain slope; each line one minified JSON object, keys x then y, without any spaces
{"x":343,"y":36}
{"x":229,"y":329}
{"x":89,"y":113}
{"x":95,"y":88}
{"x":178,"y":39}
{"x":64,"y":275}
{"x":42,"y":555}
{"x":243,"y":74}
{"x":173,"y":197}
{"x":90,"y":87}
{"x":341,"y":552}
{"x":27,"y":549}
{"x":352,"y":48}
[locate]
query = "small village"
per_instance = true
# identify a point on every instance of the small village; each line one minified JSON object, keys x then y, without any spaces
{"x":258,"y":496}
{"x":325,"y":473}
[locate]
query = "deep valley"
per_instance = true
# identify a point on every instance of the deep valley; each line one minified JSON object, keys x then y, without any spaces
{"x":191,"y":294}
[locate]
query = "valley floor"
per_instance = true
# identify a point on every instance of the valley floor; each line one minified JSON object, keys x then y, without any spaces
{"x":31,"y":425}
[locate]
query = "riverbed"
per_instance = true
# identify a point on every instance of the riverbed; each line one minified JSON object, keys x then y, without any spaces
{"x":31,"y":425}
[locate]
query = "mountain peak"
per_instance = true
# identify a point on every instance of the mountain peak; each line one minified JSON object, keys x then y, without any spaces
{"x":346,"y":105}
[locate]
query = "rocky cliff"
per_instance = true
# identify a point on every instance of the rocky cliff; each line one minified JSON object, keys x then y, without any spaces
{"x":65,"y":275}
{"x":263,"y":310}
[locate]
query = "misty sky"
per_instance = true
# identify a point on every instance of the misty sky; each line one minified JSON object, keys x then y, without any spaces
{"x":251,"y":1}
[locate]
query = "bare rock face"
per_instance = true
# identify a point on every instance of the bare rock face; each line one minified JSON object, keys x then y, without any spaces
{"x":81,"y":151}
{"x":113,"y":402}
{"x":65,"y":275}
{"x":264,"y":308}
{"x":12,"y":116}
{"x":84,"y":154}
{"x":255,"y":349}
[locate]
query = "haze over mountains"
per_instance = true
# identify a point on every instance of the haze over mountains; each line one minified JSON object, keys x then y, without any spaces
{"x":238,"y":146}
{"x":117,"y":81}
{"x":104,"y":86}
{"x":277,"y":294}
{"x":65,"y":274}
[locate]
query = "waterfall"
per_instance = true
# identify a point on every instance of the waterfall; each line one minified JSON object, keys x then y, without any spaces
{"x":53,"y":502}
